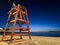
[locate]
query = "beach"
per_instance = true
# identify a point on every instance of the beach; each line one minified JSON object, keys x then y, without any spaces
{"x":35,"y":40}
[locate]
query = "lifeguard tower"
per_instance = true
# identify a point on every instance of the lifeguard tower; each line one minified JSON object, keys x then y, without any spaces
{"x":17,"y":15}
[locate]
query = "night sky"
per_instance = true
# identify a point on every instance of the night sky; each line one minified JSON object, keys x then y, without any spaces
{"x":43,"y":14}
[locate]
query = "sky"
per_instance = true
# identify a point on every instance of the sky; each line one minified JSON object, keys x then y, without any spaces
{"x":44,"y":15}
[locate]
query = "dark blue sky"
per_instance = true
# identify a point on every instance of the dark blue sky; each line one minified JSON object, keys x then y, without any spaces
{"x":43,"y":14}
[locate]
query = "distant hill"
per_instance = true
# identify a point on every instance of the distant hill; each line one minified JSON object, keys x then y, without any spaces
{"x":47,"y":31}
{"x":1,"y":30}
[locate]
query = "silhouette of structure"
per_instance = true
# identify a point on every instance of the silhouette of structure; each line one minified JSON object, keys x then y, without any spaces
{"x":17,"y":15}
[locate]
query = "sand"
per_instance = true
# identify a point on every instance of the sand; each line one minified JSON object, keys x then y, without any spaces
{"x":36,"y":40}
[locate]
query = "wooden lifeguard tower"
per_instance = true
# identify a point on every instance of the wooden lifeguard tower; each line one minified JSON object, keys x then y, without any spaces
{"x":17,"y":15}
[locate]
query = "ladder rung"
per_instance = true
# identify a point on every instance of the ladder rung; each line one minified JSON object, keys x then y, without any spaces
{"x":23,"y":29}
{"x":23,"y":12}
{"x":25,"y":33}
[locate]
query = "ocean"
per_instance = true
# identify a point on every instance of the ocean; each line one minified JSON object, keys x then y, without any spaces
{"x":49,"y":34}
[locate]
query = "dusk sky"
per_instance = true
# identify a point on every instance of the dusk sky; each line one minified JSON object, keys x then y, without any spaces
{"x":43,"y":14}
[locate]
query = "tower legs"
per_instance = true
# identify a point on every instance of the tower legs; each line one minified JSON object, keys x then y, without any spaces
{"x":4,"y":35}
{"x":18,"y":13}
{"x":21,"y":34}
{"x":12,"y":35}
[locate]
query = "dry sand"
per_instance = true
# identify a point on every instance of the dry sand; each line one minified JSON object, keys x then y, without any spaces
{"x":36,"y":40}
